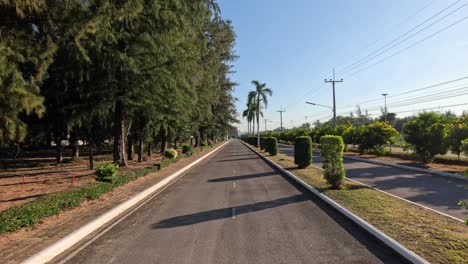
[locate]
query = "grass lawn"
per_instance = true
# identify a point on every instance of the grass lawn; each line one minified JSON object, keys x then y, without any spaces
{"x":434,"y":237}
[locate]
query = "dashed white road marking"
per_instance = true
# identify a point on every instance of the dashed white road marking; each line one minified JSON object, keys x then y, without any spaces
{"x":233,"y":213}
{"x":234,"y":185}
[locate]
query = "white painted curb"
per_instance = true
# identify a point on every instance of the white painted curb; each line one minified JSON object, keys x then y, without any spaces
{"x":390,"y":242}
{"x":67,"y":242}
{"x":437,"y":173}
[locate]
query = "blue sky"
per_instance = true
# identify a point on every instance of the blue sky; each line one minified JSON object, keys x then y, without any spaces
{"x":293,"y":45}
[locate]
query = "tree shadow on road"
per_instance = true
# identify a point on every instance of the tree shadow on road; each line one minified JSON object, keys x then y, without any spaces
{"x":217,"y":214}
{"x":227,"y":160}
{"x":244,"y":177}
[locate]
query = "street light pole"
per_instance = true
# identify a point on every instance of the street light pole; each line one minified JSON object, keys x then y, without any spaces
{"x":385,"y":109}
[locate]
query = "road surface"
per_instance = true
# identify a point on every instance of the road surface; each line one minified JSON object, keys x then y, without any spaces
{"x":235,"y":208}
{"x":436,"y":192}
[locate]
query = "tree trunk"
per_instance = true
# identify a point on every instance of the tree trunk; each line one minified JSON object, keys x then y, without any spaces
{"x":75,"y":151}
{"x":163,"y":142}
{"x":119,"y":137}
{"x":58,"y":150}
{"x":202,"y":135}
{"x":130,"y":148}
{"x":91,"y":155}
{"x":175,"y":143}
{"x":149,"y":149}
{"x":140,"y":150}
{"x":258,"y":121}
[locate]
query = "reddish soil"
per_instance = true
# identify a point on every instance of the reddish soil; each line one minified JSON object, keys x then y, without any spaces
{"x":41,"y":176}
{"x":18,"y":246}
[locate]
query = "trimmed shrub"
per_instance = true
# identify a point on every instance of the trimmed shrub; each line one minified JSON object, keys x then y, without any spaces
{"x":262,"y":143}
{"x":170,"y":154}
{"x":106,"y":172}
{"x":332,"y":159}
{"x":271,"y":145}
{"x":187,"y":149}
{"x":303,"y":151}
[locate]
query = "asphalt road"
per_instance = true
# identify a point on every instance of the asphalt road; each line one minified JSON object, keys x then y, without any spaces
{"x":436,"y":192}
{"x":235,"y":209}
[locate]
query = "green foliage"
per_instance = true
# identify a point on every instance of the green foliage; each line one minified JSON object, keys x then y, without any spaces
{"x":332,"y":158}
{"x":464,"y":205}
{"x":464,"y":144}
{"x":427,"y":134}
{"x":271,"y":145}
{"x":187,"y":149}
{"x":458,"y":131}
{"x":106,"y":172}
{"x":303,"y":151}
{"x":33,"y":212}
{"x":262,"y":143}
{"x":170,"y":154}
{"x":375,"y":135}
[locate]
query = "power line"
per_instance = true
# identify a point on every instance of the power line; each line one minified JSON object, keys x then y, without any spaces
{"x":313,"y":90}
{"x":445,"y":106}
{"x":402,"y":50}
{"x":408,"y":92}
{"x":411,"y":100}
{"x":352,"y":66}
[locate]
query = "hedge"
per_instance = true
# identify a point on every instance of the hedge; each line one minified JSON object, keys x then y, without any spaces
{"x":332,"y":160}
{"x":303,"y":151}
{"x":271,"y":145}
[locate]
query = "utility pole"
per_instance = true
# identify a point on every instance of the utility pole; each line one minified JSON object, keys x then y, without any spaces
{"x":333,"y":81}
{"x":281,"y":111}
{"x":265,"y":125}
{"x":385,"y":109}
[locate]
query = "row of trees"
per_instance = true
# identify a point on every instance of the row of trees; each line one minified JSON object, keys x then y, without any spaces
{"x":428,"y":134}
{"x":133,"y":72}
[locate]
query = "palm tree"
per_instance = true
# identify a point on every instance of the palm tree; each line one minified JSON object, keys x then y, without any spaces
{"x":260,"y":94}
{"x":249,"y":113}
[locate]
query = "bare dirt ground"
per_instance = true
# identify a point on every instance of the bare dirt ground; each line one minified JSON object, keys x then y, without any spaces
{"x":42,"y":176}
{"x":18,"y":246}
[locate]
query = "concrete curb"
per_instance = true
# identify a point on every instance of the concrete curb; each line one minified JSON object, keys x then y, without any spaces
{"x":390,"y":242}
{"x":70,"y":240}
{"x":398,"y":197}
{"x":437,"y":173}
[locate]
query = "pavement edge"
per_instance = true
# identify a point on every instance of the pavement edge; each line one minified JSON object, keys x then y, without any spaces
{"x":437,"y":173}
{"x":390,"y":242}
{"x":76,"y":236}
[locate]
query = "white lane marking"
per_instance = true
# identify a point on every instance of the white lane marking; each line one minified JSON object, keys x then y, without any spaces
{"x":234,"y":185}
{"x":233,"y":213}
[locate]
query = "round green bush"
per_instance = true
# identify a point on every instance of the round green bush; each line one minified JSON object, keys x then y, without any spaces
{"x":303,"y":151}
{"x":271,"y":145}
{"x":186,"y":149}
{"x":106,"y":172}
{"x":170,"y":154}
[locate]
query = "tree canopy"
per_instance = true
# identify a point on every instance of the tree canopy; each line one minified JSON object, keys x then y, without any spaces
{"x":151,"y":70}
